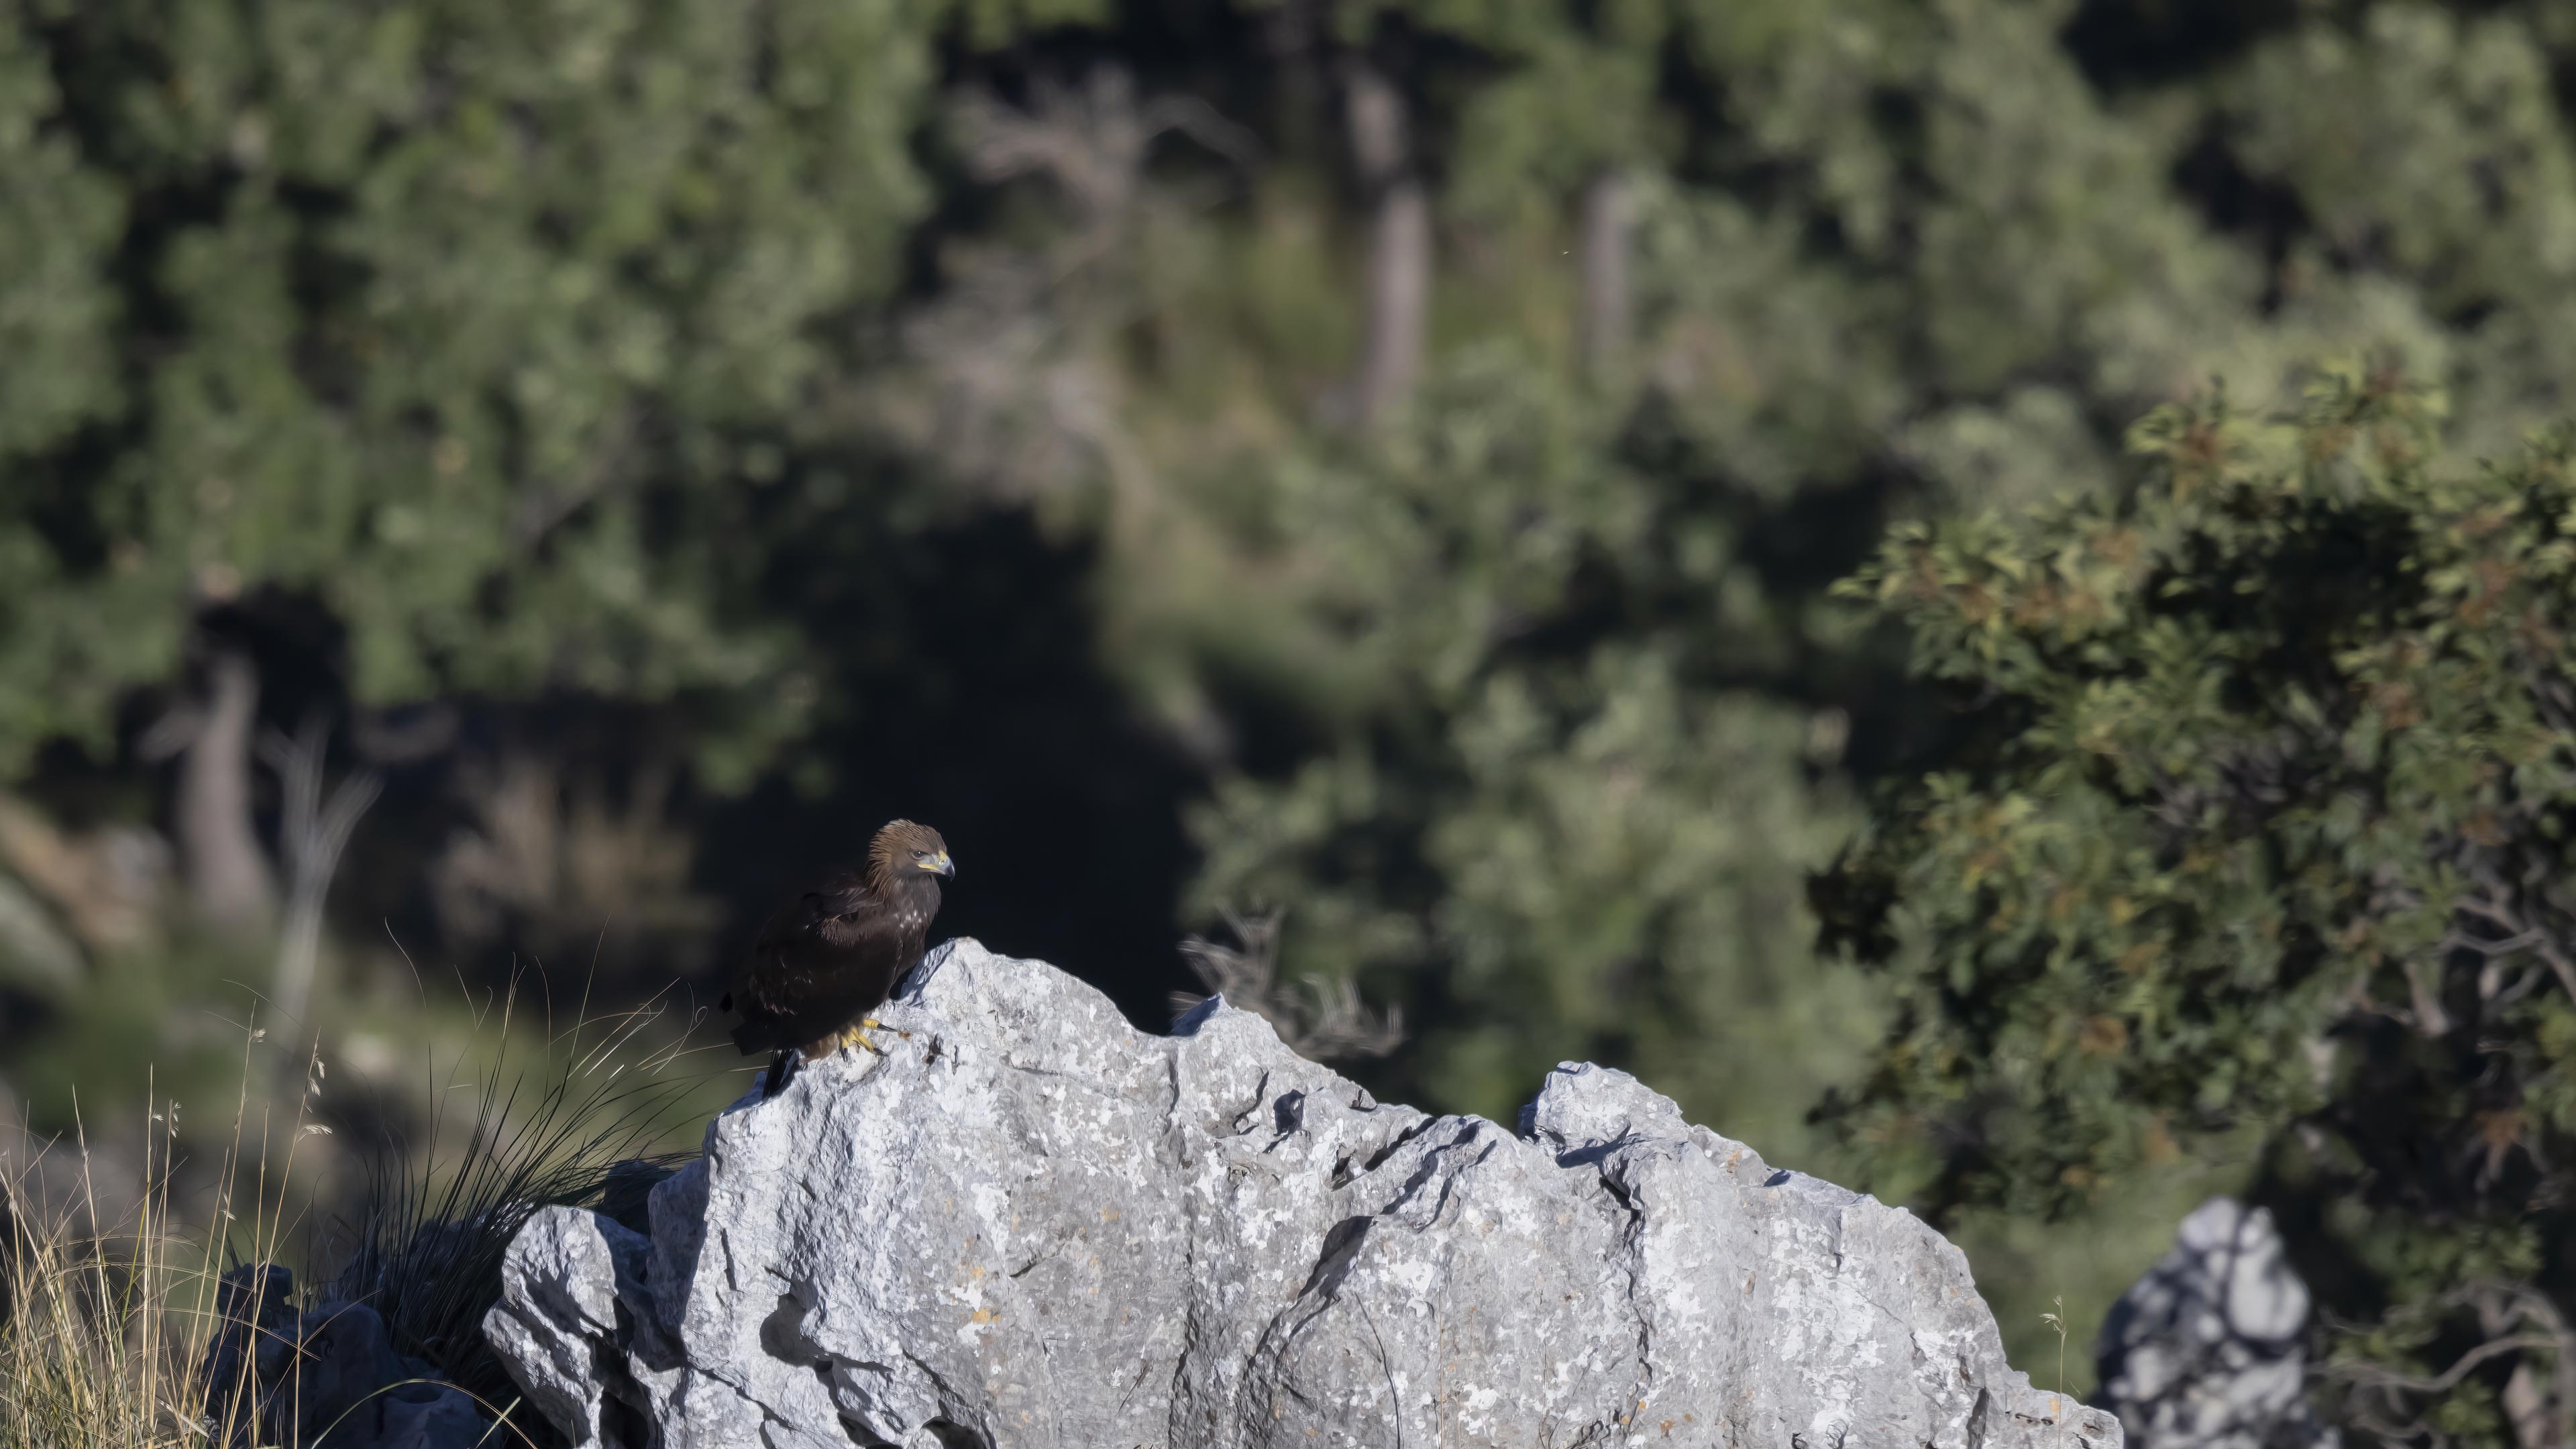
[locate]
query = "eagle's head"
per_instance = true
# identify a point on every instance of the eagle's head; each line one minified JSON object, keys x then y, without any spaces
{"x":905,"y":851}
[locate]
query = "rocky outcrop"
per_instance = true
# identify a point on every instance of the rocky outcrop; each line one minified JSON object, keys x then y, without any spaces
{"x":2208,"y":1350}
{"x":1028,"y":1223}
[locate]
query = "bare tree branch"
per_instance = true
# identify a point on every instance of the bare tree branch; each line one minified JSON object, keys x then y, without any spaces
{"x":314,"y":832}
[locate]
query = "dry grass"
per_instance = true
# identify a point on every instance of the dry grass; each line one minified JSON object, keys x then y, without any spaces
{"x":108,"y":1301}
{"x":93,"y":1349}
{"x":105,"y":1317}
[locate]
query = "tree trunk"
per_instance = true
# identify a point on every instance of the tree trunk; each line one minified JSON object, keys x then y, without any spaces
{"x":1398,"y":283}
{"x":227,"y":875}
{"x":1609,"y":221}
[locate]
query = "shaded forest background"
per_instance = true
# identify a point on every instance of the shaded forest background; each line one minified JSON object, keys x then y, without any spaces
{"x":493,"y":492}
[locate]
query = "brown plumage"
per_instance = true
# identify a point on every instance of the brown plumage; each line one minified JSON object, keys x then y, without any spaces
{"x":830,"y":957}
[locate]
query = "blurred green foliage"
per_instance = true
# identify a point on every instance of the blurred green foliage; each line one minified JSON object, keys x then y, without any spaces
{"x":1545,"y":795}
{"x":600,"y":360}
{"x":477,"y":324}
{"x":2257,"y":827}
{"x":1589,"y":697}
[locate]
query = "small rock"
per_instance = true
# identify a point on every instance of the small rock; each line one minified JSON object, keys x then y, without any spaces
{"x":327,"y":1378}
{"x":2207,"y":1350}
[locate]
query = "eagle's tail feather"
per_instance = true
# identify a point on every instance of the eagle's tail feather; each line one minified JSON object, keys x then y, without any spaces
{"x":776,"y":1078}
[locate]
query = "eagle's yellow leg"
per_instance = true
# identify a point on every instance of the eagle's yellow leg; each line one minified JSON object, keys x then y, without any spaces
{"x":868,"y":1024}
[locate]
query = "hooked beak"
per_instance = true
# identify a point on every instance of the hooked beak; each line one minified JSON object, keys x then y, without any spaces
{"x":942,"y":864}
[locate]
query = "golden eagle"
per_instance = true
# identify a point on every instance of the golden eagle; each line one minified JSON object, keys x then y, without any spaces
{"x":832,"y":955}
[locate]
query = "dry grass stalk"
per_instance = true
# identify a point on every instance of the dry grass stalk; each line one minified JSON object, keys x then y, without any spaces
{"x":104,"y":1320}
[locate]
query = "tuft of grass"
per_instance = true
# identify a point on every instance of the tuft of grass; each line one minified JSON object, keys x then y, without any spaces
{"x":563,"y":1131}
{"x":105,"y":1320}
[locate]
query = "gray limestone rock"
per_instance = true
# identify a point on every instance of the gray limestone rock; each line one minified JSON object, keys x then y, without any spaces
{"x":1030,"y":1224}
{"x":2207,"y":1351}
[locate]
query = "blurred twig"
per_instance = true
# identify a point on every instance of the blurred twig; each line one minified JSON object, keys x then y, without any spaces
{"x":1327,"y":1021}
{"x":312,"y":836}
